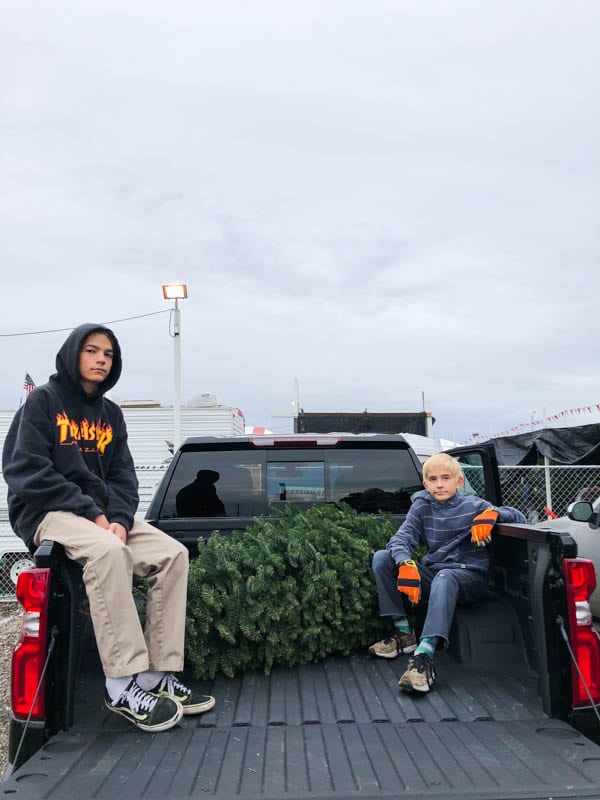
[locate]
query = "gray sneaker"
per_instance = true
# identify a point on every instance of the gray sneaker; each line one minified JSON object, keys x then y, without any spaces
{"x":147,"y":712}
{"x":397,"y":645}
{"x":419,"y":675}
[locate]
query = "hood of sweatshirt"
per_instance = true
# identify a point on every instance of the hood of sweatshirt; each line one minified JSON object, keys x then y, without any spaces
{"x":67,"y":359}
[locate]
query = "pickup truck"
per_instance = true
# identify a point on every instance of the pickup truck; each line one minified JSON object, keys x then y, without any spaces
{"x":514,"y":713}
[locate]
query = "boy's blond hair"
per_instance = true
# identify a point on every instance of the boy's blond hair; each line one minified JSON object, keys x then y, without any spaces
{"x":443,"y":460}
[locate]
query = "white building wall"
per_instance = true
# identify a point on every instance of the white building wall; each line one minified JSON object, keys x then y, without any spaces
{"x":149,"y":429}
{"x":8,"y":540}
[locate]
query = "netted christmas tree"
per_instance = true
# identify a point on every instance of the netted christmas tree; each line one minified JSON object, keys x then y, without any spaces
{"x":289,"y":590}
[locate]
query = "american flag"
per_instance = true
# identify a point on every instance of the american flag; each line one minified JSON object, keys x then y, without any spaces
{"x":28,"y":383}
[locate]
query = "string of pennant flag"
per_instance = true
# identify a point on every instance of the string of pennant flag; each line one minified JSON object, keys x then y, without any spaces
{"x":537,"y":423}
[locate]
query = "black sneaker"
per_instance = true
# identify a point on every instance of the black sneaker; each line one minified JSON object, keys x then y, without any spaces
{"x":190,"y":700}
{"x":419,"y":675}
{"x":145,"y":710}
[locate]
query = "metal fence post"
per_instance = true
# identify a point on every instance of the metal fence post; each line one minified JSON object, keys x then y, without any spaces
{"x":548,"y":485}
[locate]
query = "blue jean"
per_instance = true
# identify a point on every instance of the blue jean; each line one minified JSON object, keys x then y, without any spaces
{"x":443,"y":589}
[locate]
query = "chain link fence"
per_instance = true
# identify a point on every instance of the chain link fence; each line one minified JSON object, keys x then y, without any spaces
{"x":541,"y":491}
{"x":11,"y":564}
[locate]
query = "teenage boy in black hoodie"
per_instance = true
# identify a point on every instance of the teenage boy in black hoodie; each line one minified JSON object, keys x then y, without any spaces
{"x":71,"y":479}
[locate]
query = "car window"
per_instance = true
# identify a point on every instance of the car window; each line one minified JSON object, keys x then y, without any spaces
{"x":251,"y":482}
{"x":289,"y":481}
{"x":472,"y":467}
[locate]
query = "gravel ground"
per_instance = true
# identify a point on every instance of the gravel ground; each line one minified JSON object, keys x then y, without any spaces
{"x":10,"y":626}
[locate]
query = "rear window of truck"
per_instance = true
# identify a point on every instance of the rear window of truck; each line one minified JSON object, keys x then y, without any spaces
{"x":255,"y":481}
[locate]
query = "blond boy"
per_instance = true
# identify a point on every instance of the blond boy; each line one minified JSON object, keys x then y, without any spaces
{"x":454,"y":528}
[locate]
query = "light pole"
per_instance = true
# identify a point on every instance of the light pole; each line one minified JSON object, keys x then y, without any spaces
{"x":176,"y":292}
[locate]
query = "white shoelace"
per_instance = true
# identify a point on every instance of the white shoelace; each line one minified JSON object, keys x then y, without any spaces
{"x":138,"y":699}
{"x":170,"y":684}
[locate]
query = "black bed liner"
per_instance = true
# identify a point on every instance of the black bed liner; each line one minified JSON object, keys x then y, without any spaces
{"x":338,"y":729}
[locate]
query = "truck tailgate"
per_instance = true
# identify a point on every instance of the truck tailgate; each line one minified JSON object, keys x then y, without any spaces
{"x":338,"y":729}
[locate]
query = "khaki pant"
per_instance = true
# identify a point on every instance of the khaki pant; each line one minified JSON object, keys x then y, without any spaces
{"x":108,"y":570}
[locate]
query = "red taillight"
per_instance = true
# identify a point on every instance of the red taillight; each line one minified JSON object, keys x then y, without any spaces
{"x":580,"y":581}
{"x":27,"y":685}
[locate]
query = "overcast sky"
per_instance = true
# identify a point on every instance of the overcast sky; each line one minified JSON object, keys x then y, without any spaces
{"x":378,"y":199}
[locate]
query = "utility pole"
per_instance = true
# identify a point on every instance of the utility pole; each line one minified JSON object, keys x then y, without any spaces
{"x":294,"y":402}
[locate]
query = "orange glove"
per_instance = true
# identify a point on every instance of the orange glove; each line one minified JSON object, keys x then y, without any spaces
{"x":409,"y":581}
{"x":481,"y":529}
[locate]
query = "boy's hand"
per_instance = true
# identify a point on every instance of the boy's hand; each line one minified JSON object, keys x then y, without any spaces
{"x":481,"y":529}
{"x":409,"y":580}
{"x":120,"y":531}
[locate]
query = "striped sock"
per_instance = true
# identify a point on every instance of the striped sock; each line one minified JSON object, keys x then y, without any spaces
{"x":427,"y":646}
{"x":401,"y":624}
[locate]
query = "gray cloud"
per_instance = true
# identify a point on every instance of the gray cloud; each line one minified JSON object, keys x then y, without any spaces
{"x":378,"y":200}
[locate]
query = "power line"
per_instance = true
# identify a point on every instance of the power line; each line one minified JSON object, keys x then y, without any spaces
{"x":110,"y":322}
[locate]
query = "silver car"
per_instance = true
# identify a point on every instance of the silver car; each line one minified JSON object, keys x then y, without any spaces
{"x":583,"y":523}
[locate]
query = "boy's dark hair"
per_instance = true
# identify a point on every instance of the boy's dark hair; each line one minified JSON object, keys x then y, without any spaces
{"x":106,"y":331}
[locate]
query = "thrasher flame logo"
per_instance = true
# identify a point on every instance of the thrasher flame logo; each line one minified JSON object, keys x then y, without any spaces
{"x":84,"y":433}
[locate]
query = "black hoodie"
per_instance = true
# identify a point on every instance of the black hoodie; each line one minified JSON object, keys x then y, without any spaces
{"x":66,"y":450}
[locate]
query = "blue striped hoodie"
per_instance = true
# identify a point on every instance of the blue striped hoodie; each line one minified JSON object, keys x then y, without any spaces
{"x":445,"y":530}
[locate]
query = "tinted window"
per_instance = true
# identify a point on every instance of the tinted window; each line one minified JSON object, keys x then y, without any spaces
{"x":236,"y":483}
{"x":217,"y":484}
{"x":373,"y":480}
{"x":472,"y":466}
{"x":295,"y":481}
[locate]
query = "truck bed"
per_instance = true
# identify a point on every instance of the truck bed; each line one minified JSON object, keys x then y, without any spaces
{"x":337,"y":729}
